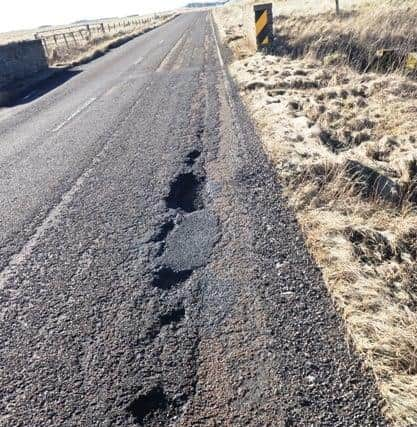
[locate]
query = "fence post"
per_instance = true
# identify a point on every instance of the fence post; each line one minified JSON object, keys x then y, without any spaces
{"x":337,"y":7}
{"x":45,"y":46}
{"x":102,"y":28}
{"x":65,"y":39}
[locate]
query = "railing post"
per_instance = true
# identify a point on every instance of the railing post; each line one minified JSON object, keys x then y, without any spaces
{"x":66,"y":40}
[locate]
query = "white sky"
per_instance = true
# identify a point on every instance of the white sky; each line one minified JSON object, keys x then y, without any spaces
{"x":26,"y":14}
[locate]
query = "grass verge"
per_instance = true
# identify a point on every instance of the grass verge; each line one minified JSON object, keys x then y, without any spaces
{"x":342,"y":137}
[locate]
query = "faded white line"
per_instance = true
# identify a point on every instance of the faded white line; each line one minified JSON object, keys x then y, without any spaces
{"x":30,"y":94}
{"x":161,"y":41}
{"x":50,"y":220}
{"x":139,"y":60}
{"x":228,"y":89}
{"x":113,"y":89}
{"x":217,"y":43}
{"x":74,"y":114}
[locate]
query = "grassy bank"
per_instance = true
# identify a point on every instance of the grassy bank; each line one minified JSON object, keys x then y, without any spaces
{"x":341,"y":133}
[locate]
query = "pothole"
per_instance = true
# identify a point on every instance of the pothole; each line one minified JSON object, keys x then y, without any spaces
{"x":148,"y":406}
{"x":166,"y":278}
{"x":185,"y":193}
{"x":192,"y":156}
{"x":172,"y":317}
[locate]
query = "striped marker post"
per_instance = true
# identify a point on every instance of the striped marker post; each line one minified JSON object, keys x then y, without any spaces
{"x":263,"y":25}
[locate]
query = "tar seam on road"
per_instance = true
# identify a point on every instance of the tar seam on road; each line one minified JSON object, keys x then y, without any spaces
{"x":171,"y":52}
{"x":74,"y":114}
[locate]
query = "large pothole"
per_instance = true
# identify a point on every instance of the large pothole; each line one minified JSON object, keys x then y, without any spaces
{"x":149,"y":406}
{"x":186,"y":193}
{"x":165,"y":277}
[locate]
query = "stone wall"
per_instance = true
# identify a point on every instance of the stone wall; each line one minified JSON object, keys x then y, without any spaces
{"x":21,"y":60}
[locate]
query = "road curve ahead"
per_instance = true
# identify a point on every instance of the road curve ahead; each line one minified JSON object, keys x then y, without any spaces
{"x":150,"y":271}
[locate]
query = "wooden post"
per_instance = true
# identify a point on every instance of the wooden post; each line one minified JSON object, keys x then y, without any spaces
{"x":73,"y":37}
{"x":45,"y":46}
{"x":337,"y":7}
{"x":65,"y":39}
{"x":56,"y":40}
{"x":102,"y":28}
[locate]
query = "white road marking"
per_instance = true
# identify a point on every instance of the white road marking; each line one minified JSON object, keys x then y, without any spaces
{"x":113,"y":89}
{"x":74,"y":114}
{"x":161,"y":42}
{"x":226,"y":82}
{"x":217,"y":43}
{"x":50,"y":220}
{"x":140,"y":59}
{"x":30,"y":94}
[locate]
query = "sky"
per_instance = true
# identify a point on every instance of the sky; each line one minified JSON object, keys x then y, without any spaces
{"x":27,"y":14}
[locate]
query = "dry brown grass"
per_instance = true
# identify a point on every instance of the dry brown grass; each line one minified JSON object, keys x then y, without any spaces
{"x":355,"y":36}
{"x":344,"y":145}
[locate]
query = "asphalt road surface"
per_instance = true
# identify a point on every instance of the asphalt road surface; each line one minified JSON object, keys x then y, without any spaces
{"x":150,"y":271}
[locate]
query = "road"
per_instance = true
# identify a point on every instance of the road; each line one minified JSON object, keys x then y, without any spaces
{"x":151,"y":273}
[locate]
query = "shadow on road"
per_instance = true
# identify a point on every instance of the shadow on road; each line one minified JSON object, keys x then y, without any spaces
{"x":24,"y":93}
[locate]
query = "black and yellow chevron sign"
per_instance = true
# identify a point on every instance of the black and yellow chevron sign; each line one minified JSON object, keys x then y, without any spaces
{"x":263,"y":25}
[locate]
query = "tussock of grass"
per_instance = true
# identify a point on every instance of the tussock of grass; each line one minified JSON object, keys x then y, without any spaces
{"x":354,"y":37}
{"x":342,"y":137}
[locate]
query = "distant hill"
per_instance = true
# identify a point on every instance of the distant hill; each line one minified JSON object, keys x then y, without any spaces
{"x":207,"y":4}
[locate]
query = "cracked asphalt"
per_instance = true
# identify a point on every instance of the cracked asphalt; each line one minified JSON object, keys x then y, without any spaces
{"x":151,"y":272}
